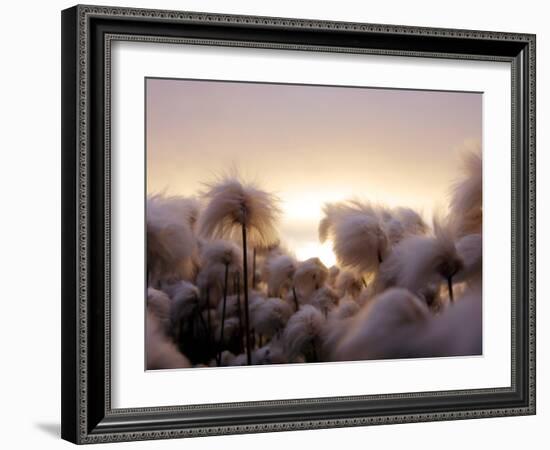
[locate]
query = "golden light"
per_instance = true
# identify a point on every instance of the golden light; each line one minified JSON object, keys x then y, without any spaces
{"x":306,"y":205}
{"x":316,"y":249}
{"x":302,"y":211}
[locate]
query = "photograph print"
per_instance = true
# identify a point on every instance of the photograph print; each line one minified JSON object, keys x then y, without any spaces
{"x":292,"y":223}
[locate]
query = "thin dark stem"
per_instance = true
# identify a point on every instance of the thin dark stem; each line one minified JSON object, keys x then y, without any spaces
{"x":208,"y":321}
{"x":239,"y":313}
{"x":208,"y":309}
{"x":450,"y":287}
{"x":220,"y":343}
{"x":364,"y":282}
{"x":254,"y":268}
{"x":296,"y":304}
{"x":245,"y":288}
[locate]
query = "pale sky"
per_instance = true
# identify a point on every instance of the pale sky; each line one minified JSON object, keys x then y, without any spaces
{"x":309,"y":145}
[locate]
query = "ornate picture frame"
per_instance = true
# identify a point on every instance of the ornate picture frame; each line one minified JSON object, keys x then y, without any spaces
{"x":87,"y":35}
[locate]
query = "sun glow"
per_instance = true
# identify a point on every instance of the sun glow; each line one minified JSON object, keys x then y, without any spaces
{"x":316,"y":249}
{"x":302,"y":212}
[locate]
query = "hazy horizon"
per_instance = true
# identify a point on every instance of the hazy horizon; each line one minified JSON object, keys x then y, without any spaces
{"x":309,"y":145}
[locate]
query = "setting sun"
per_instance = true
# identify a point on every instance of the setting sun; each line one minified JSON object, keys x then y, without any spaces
{"x":316,"y":249}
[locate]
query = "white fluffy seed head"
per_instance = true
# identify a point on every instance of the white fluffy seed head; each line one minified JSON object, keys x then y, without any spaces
{"x":170,"y":240}
{"x":324,"y":299}
{"x":367,"y":294}
{"x":417,"y":261}
{"x":211,"y":280}
{"x":184,"y":301}
{"x":333,"y":272}
{"x":456,"y":331}
{"x":410,"y":220}
{"x":159,"y":304}
{"x":346,"y":308}
{"x":401,"y":222}
{"x":382,"y":328}
{"x":394,"y":230}
{"x":255,"y":301}
{"x":467,"y":193}
{"x":470,"y":251}
{"x":231,"y":329}
{"x":270,"y":316}
{"x":310,"y":275}
{"x":359,"y":242}
{"x":334,"y":212}
{"x":160,"y":351}
{"x":448,"y":262}
{"x":303,"y":333}
{"x":221,"y":252}
{"x":348,"y":283}
{"x":362,"y":233}
{"x":193,"y":211}
{"x":279,"y":273}
{"x":173,"y":209}
{"x":232,"y":203}
{"x":333,"y":331}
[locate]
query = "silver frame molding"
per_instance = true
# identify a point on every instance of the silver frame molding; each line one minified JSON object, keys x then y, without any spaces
{"x":88,"y":33}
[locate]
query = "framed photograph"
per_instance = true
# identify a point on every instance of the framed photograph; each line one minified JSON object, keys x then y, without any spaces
{"x":280,"y":224}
